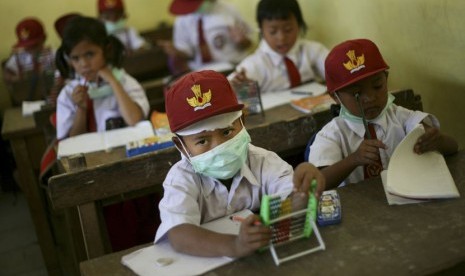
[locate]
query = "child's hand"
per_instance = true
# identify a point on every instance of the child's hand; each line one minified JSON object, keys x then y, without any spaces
{"x":239,"y":78}
{"x":430,"y":141}
{"x":168,"y":47}
{"x":252,"y":236}
{"x":106,"y":74}
{"x":368,"y":152}
{"x":238,"y":33}
{"x":79,"y":96}
{"x":304,"y":174}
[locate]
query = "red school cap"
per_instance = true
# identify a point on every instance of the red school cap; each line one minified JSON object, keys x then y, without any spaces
{"x":29,"y":32}
{"x":61,"y":22}
{"x":351,"y":61}
{"x":181,"y":7}
{"x":198,"y":96}
{"x":110,"y":5}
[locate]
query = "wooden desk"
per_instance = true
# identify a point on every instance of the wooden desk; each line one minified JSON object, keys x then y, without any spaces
{"x":372,"y":239}
{"x":108,"y":174}
{"x":28,"y":144}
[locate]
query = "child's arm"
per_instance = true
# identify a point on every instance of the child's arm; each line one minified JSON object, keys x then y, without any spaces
{"x":366,"y":153}
{"x":195,"y":240}
{"x":79,"y":97}
{"x":239,"y":77}
{"x":130,"y":111}
{"x":433,"y":140}
{"x":238,"y":34}
{"x":304,"y":173}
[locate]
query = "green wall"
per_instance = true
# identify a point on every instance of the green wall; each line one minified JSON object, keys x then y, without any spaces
{"x":422,"y":40}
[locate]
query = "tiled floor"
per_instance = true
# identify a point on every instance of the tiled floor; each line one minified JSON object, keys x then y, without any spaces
{"x":19,"y":250}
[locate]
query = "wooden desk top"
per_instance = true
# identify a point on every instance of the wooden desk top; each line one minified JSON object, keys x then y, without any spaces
{"x":15,"y":125}
{"x":108,"y":174}
{"x":372,"y":239}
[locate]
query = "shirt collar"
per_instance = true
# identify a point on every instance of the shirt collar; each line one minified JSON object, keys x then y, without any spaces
{"x":277,"y":58}
{"x":359,"y":129}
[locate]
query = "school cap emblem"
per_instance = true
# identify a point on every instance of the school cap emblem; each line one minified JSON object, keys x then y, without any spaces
{"x":24,"y":34}
{"x":200,"y":100}
{"x":355,"y":63}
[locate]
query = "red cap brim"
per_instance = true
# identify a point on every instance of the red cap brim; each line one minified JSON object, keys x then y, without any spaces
{"x":181,"y":7}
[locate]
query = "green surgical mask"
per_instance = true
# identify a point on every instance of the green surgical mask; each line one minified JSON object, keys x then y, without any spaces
{"x":225,"y":160}
{"x":105,"y":90}
{"x":113,"y":27}
{"x":205,"y":7}
{"x":346,"y":114}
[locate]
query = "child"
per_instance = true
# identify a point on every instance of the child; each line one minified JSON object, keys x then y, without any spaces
{"x":220,"y":172}
{"x":100,"y":91}
{"x":282,"y":60}
{"x":356,"y":78}
{"x":31,"y":61}
{"x":206,"y":31}
{"x":113,"y":15}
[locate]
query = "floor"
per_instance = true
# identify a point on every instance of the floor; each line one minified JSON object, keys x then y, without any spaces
{"x":20,"y":253}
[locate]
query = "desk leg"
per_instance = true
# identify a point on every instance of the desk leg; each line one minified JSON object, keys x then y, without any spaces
{"x":36,"y":202}
{"x":91,"y":230}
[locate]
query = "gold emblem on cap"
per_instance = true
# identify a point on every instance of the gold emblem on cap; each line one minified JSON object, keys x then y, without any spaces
{"x":355,"y":63}
{"x":24,"y":34}
{"x":200,"y":100}
{"x":110,"y":3}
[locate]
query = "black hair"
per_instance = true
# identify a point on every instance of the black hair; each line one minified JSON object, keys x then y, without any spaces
{"x":281,"y":10}
{"x":82,"y":28}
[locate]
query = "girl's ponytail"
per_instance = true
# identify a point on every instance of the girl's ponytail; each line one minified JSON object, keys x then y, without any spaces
{"x":62,"y":64}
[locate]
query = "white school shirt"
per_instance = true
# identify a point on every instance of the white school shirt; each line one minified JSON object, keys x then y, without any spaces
{"x":216,"y":24}
{"x":130,"y":38}
{"x":22,"y":61}
{"x":196,"y":199}
{"x":104,"y":108}
{"x":341,"y":137}
{"x":267,"y":67}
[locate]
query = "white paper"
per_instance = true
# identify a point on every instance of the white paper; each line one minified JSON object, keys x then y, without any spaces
{"x":143,"y":261}
{"x":393,"y":199}
{"x":106,"y":140}
{"x":29,"y":107}
{"x":275,"y":98}
{"x":217,"y":66}
{"x":419,"y":176}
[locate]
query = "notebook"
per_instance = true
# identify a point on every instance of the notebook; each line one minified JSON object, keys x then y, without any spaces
{"x":413,"y":178}
{"x":143,"y":262}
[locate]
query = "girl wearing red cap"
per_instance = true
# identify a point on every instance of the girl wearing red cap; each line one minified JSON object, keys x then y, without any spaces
{"x":206,"y":31}
{"x":30,"y":61}
{"x":359,"y":142}
{"x":220,"y":172}
{"x":282,"y":60}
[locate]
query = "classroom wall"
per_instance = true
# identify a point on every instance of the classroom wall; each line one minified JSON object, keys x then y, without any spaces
{"x":422,"y":40}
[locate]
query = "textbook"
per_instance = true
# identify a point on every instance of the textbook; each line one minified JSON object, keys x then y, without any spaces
{"x":414,"y":178}
{"x":149,"y":144}
{"x":161,"y":259}
{"x":313,"y":104}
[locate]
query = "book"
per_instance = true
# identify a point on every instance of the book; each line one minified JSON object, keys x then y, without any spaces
{"x":414,"y":178}
{"x":161,"y":259}
{"x":149,"y":144}
{"x":313,"y":104}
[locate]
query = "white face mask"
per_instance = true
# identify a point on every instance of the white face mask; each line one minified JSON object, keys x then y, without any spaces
{"x":225,"y":160}
{"x":346,"y":114}
{"x":105,"y":90}
{"x":113,"y":27}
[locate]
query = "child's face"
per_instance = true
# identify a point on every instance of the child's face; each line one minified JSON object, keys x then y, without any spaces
{"x":87,"y":59}
{"x":372,"y":94}
{"x":204,"y":141}
{"x":111,"y":16}
{"x":281,"y":35}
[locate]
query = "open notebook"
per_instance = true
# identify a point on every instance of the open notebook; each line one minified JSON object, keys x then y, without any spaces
{"x":413,"y":178}
{"x":144,"y":261}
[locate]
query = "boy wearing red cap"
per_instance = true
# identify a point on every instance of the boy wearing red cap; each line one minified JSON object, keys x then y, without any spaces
{"x":30,"y":58}
{"x":206,"y":31}
{"x":113,"y":15}
{"x":220,"y":172}
{"x":359,"y":142}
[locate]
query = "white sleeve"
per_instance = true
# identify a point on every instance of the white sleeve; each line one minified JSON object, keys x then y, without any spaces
{"x":182,"y":35}
{"x":137,"y":94}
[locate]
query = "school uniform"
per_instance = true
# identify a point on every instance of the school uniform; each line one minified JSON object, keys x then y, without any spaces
{"x":216,"y":25}
{"x":130,"y":38}
{"x":268,"y":68}
{"x":191,"y":198}
{"x":341,"y":137}
{"x":104,"y":108}
{"x":23,"y":62}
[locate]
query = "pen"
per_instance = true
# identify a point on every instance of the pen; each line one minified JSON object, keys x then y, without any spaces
{"x":357,"y":97}
{"x":241,"y":219}
{"x":297,"y":92}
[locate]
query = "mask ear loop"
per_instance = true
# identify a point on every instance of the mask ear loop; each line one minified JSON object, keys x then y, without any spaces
{"x":187,"y":155}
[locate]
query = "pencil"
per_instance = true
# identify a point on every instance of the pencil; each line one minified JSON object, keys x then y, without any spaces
{"x":241,"y":219}
{"x":365,"y":124}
